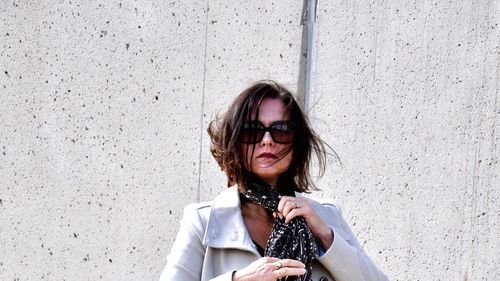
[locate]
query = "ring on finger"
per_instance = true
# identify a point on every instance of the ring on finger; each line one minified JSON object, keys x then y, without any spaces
{"x":278,"y":275}
{"x":278,"y":264}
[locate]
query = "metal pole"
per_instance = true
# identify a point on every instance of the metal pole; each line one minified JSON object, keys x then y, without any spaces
{"x":310,"y":15}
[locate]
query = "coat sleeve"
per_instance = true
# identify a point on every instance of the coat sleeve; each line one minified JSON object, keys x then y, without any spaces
{"x":185,"y":261}
{"x":345,"y":259}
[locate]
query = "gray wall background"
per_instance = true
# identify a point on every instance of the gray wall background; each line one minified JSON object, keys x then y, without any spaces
{"x":105,"y":104}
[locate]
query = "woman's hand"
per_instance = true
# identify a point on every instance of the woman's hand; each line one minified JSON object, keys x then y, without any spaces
{"x":269,"y":269}
{"x":291,"y":207}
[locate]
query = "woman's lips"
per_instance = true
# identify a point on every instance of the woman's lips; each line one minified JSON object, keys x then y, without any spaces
{"x":267,"y":155}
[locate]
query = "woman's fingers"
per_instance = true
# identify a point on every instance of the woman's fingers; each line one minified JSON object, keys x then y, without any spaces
{"x":290,"y":207}
{"x":270,"y":269}
{"x":289,"y":263}
{"x":288,"y":271}
{"x":268,"y":260}
{"x":288,"y":267}
{"x":283,"y":202}
{"x":292,"y":214}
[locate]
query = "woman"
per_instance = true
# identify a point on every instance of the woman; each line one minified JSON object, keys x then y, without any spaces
{"x":261,"y":228}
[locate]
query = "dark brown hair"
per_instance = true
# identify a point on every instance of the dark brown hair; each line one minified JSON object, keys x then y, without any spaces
{"x":225,"y":132}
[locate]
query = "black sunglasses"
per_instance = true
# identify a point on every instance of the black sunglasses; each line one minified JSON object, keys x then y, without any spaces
{"x":281,"y":132}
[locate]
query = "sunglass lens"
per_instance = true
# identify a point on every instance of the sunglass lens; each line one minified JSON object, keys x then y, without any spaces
{"x":280,"y":136}
{"x":252,"y":135}
{"x":281,"y":132}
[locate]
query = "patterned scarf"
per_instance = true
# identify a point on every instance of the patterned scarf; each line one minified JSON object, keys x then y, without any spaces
{"x":292,"y":240}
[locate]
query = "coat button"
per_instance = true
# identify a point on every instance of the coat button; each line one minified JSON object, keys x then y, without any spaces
{"x":235,"y":236}
{"x":323,"y":279}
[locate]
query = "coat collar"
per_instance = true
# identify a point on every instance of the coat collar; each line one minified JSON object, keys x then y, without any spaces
{"x":225,"y":227}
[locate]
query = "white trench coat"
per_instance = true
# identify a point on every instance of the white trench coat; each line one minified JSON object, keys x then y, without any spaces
{"x":213,"y":242}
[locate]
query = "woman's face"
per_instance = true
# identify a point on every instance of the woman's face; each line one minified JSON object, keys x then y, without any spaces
{"x":265,"y":159}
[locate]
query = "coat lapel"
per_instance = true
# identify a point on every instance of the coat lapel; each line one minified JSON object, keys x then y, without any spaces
{"x":225,"y":227}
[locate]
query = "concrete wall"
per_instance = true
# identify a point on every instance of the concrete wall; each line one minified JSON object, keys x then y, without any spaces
{"x":104,"y":107}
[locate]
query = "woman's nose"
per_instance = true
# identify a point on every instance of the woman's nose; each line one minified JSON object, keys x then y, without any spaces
{"x":267,"y":139}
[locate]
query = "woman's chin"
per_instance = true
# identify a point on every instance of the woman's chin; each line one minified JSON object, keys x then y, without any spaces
{"x":267,"y":174}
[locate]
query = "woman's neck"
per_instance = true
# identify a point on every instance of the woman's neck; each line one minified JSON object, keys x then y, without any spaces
{"x":256,"y":211}
{"x":272,"y":182}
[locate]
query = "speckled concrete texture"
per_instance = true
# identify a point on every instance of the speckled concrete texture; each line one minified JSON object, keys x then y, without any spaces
{"x":97,"y":132}
{"x":407,"y":94}
{"x":105,"y":105}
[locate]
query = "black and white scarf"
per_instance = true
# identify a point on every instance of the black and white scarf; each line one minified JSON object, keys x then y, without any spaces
{"x":292,"y":240}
